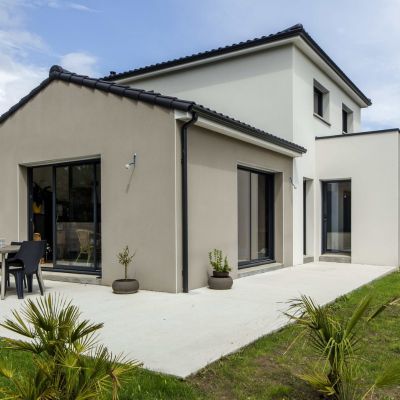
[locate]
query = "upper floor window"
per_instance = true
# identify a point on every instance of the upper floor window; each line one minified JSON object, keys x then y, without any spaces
{"x":318,"y":102}
{"x":321,"y":98}
{"x":347,"y":119}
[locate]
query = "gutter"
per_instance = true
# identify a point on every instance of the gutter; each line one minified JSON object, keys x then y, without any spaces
{"x":185,"y":219}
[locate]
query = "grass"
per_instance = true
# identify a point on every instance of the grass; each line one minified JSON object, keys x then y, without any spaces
{"x":265,"y":370}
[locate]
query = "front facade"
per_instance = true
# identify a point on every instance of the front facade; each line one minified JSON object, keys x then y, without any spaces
{"x":298,"y":185}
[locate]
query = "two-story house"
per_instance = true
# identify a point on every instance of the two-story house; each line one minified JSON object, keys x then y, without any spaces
{"x":279,"y":174}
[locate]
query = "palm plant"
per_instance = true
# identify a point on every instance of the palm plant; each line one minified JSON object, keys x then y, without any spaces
{"x":68,"y":362}
{"x":336,"y":343}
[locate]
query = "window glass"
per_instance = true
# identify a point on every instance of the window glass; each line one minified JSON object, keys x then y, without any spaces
{"x":345,"y":117}
{"x":255,"y":216}
{"x":337,"y":216}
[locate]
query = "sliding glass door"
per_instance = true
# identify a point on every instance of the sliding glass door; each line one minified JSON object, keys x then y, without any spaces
{"x":255,"y":217}
{"x":73,"y":216}
{"x":336,"y":217}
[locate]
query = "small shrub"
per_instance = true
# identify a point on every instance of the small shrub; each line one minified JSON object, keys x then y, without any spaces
{"x":124,"y":258}
{"x":218,"y":261}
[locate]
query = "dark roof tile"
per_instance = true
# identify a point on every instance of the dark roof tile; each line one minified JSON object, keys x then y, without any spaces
{"x":295,"y":30}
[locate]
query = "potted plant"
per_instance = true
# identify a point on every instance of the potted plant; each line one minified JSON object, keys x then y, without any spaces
{"x":125,"y":286}
{"x":220,"y":279}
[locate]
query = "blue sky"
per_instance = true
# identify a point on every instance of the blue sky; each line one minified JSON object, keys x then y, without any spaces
{"x":94,"y":37}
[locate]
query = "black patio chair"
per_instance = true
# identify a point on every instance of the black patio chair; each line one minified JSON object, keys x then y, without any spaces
{"x":9,"y":256}
{"x":26,"y":263}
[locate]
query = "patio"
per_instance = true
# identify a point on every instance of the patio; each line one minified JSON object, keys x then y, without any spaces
{"x":179,"y":334}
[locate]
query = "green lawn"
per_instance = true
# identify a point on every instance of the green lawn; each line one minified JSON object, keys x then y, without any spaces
{"x":264,"y":369}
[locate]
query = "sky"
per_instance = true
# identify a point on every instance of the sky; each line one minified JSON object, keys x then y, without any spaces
{"x":93,"y":37}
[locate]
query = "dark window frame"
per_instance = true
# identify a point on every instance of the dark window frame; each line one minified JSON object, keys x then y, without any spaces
{"x":96,"y":269}
{"x":324,"y":219}
{"x":304,"y":217}
{"x":345,"y":121}
{"x":319,"y":104}
{"x":270,"y":219}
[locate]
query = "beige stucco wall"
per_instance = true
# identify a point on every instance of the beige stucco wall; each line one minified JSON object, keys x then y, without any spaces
{"x":372,"y":163}
{"x":255,"y":88}
{"x":213,"y":208}
{"x":65,"y":122}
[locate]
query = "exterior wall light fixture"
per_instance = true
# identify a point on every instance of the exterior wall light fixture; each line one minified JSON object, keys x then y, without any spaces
{"x":131,"y":163}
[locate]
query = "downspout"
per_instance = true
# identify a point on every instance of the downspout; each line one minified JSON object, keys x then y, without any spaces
{"x":185,"y":234}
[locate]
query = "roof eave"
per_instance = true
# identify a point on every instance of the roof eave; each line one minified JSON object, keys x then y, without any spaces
{"x":249,"y":133}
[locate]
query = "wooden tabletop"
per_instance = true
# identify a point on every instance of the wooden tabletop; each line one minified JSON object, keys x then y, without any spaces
{"x":9,"y":249}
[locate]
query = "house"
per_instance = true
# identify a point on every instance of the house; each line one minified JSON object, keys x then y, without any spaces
{"x":278,"y":175}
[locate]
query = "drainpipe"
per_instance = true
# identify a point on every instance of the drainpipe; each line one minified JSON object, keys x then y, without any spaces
{"x":185,"y":234}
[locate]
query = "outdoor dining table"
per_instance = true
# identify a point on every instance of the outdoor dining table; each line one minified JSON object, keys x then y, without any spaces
{"x":4,"y":251}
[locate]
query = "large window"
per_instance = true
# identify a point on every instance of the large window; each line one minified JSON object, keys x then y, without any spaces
{"x":255,"y":217}
{"x":65,"y":211}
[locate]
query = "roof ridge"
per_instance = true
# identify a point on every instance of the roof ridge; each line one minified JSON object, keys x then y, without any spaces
{"x":292,"y":31}
{"x":297,"y":28}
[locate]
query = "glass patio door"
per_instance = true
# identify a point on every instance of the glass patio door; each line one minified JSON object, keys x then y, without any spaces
{"x":255,"y":217}
{"x":65,"y":211}
{"x":77,"y":214}
{"x":336,"y":217}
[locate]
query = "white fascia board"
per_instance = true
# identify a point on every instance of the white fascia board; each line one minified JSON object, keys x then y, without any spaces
{"x":235,"y":134}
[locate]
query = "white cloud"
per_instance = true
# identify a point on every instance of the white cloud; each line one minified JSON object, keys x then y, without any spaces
{"x":384,"y":112}
{"x":80,"y":7}
{"x":63,"y":5}
{"x":17,"y":80}
{"x":81,"y":63}
{"x":18,"y":75}
{"x":19,"y":42}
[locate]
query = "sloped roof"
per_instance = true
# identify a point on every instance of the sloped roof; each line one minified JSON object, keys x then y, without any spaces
{"x":58,"y":73}
{"x":293,"y":31}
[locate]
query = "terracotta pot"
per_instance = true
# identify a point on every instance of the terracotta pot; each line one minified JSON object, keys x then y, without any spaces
{"x":125,"y":286}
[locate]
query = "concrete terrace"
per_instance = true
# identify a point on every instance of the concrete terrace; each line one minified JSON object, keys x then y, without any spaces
{"x":179,"y":334}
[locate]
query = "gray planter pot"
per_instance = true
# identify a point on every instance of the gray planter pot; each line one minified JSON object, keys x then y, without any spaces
{"x":224,"y":283}
{"x":125,"y":286}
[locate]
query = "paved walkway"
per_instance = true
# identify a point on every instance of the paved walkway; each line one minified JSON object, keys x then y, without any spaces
{"x":180,"y":333}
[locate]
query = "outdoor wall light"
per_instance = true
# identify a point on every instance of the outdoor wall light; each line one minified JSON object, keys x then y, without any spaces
{"x":131,"y":163}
